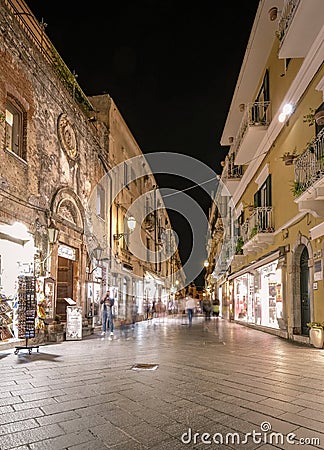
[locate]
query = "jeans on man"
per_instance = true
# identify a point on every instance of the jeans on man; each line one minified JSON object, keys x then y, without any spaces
{"x":104,"y":320}
{"x":190,"y":315}
{"x":111,"y":320}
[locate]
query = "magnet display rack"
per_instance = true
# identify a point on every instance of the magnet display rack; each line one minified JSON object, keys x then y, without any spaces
{"x":27,"y":310}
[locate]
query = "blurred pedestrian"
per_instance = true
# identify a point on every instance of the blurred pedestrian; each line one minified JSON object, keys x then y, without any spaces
{"x":207,"y":307}
{"x":216,"y":307}
{"x":134,"y":312}
{"x":190,"y":307}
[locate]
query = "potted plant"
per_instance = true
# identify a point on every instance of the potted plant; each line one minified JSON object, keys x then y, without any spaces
{"x":288,"y":157}
{"x":319,"y":117}
{"x":316,"y":334}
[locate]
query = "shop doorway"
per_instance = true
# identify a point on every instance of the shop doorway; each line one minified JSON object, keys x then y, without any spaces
{"x":65,"y":272}
{"x":304,"y":291}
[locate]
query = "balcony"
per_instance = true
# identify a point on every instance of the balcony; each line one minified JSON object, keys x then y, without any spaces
{"x":299,"y":24}
{"x":255,"y":122}
{"x":231,"y":174}
{"x":309,"y":177}
{"x":258,"y":230}
{"x":223,"y":259}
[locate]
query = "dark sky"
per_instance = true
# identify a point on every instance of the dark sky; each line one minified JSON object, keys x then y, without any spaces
{"x":170,"y":67}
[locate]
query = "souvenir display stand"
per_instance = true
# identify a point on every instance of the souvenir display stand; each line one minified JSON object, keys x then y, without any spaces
{"x":27,"y":309}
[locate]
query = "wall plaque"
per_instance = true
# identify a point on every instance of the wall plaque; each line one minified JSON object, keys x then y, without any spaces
{"x":67,"y":136}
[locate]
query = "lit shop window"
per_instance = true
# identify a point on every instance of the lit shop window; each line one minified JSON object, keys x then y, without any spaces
{"x":14,"y":129}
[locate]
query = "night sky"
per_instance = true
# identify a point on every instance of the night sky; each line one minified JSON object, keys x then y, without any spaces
{"x":170,"y":67}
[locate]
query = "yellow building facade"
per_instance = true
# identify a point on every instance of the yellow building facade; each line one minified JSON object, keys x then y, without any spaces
{"x":273,"y":174}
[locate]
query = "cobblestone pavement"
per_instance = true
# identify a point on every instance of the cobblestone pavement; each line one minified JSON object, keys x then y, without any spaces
{"x":214,"y":377}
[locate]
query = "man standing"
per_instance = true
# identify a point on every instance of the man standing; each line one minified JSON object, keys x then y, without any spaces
{"x":105,"y":302}
{"x":107,"y":313}
{"x":190,"y":307}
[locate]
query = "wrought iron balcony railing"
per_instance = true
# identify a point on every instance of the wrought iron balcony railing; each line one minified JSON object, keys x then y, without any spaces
{"x":309,"y":166}
{"x":260,"y":221}
{"x":231,"y":171}
{"x":286,"y":17}
{"x":256,"y":114}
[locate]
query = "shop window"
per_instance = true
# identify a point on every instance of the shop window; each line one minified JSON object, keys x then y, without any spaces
{"x":14,"y":128}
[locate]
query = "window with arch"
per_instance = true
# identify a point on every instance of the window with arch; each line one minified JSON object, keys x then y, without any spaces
{"x":14,"y":128}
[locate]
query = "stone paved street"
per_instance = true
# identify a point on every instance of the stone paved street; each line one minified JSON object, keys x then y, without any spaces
{"x":222,"y":378}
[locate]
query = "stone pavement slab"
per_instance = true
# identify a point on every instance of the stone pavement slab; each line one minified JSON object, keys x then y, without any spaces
{"x":217,"y":385}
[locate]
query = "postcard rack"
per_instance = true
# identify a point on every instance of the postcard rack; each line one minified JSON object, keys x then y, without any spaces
{"x":27,"y":310}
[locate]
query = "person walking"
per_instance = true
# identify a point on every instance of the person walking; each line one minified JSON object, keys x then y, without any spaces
{"x":134,"y":312}
{"x":105,"y":302}
{"x":190,"y":308}
{"x":207,"y":307}
{"x":216,"y":307}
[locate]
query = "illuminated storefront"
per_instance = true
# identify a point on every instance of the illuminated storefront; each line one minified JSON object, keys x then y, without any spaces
{"x":17,"y":257}
{"x":258,"y":295}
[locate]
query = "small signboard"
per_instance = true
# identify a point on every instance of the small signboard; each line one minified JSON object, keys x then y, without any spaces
{"x":318,"y":270}
{"x":73,"y":323}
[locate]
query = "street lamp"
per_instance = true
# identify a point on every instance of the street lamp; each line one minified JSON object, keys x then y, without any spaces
{"x":131,"y":224}
{"x":96,"y":254}
{"x":52,"y":232}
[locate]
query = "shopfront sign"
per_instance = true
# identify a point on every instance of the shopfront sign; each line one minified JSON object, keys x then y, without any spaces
{"x":73,"y":323}
{"x":67,"y":252}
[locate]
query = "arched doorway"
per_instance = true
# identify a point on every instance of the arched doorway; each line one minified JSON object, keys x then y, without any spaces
{"x":304,"y":291}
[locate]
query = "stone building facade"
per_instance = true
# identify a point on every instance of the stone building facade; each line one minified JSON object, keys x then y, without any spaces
{"x":56,"y":146}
